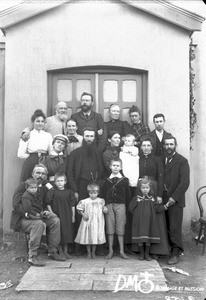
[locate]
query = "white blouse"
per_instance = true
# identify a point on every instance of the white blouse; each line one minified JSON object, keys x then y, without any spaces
{"x":39,"y":140}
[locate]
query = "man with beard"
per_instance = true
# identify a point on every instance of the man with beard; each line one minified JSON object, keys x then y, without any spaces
{"x":88,"y":118}
{"x":158,"y":134}
{"x":85,"y":165}
{"x":23,"y":220}
{"x":55,"y":124}
{"x":176,"y":183}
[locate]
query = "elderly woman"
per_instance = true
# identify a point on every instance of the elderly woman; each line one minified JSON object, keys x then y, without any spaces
{"x":37,"y":146}
{"x":139,"y":128}
{"x":152,"y":167}
{"x":56,"y":160}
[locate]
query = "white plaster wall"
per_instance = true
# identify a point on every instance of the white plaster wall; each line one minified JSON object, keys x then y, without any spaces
{"x":198,"y":154}
{"x":81,"y":34}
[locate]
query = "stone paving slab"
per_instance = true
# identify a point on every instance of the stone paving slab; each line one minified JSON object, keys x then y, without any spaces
{"x":95,"y":274}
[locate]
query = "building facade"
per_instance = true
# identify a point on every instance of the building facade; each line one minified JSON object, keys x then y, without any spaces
{"x":128,"y":52}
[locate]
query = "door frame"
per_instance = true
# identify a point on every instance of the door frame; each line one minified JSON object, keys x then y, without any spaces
{"x":100,"y":70}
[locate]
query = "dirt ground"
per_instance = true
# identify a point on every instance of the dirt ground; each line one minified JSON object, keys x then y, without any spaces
{"x":13,"y":265}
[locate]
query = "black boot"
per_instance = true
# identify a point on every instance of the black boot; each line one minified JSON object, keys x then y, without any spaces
{"x":141,"y":249}
{"x":147,"y":256}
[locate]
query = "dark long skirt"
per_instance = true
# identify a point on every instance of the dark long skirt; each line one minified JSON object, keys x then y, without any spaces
{"x":28,"y":166}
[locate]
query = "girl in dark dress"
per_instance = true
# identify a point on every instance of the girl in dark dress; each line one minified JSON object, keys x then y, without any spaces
{"x":152,"y":167}
{"x":144,"y":224}
{"x":62,"y":202}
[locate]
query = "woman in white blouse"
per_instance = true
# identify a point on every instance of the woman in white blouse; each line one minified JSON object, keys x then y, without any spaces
{"x":38,"y":145}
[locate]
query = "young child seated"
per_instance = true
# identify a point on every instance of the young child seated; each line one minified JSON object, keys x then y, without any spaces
{"x":117,"y":194}
{"x":91,"y":230}
{"x":130,"y":160}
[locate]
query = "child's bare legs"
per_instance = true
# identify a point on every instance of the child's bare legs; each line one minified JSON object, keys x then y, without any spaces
{"x":89,"y":255}
{"x":110,"y":241}
{"x":65,"y":249}
{"x":94,"y":251}
{"x":121,"y":247}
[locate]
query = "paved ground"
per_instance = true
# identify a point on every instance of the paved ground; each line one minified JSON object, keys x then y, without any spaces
{"x":96,"y":275}
{"x":181,"y":287}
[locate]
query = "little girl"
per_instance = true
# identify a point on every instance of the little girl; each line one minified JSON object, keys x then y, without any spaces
{"x":91,"y":230}
{"x":62,"y":202}
{"x":144,"y":224}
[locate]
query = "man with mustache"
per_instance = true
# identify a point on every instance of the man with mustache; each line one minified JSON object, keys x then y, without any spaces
{"x":88,"y":118}
{"x":55,"y":124}
{"x":85,"y":165}
{"x":176,"y":183}
{"x":23,"y":220}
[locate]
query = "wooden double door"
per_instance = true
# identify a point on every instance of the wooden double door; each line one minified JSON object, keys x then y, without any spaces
{"x":122,"y":87}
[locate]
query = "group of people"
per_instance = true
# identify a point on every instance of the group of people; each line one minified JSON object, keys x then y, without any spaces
{"x":81,"y":172}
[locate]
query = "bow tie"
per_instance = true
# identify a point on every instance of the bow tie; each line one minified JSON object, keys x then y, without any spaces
{"x":72,"y":139}
{"x":57,"y":156}
{"x":114,"y":179}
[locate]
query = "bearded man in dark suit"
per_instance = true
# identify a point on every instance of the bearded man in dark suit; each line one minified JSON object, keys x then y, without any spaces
{"x":176,"y":183}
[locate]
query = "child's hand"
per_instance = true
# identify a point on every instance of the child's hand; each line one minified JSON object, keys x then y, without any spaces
{"x":105,"y":209}
{"x":159,"y":200}
{"x":100,"y":131}
{"x":73,"y":219}
{"x":85,"y":217}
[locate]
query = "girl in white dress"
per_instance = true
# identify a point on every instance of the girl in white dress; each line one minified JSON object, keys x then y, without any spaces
{"x":91,"y":230}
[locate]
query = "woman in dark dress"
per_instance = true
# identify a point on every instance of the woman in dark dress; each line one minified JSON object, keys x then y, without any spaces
{"x":112,"y":150}
{"x":152,"y":167}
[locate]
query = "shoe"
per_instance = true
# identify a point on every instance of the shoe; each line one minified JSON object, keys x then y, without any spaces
{"x":148,"y":257}
{"x":34,"y":261}
{"x":173,"y":260}
{"x":56,"y":256}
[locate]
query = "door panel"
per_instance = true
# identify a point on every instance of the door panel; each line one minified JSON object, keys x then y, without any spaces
{"x":124,"y":90}
{"x":69,"y":87}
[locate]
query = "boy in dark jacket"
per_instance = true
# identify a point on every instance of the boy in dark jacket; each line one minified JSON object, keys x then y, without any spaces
{"x":116,"y":193}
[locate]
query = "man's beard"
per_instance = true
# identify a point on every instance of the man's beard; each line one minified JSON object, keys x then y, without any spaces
{"x":63,"y":117}
{"x":86,"y":108}
{"x":169,"y":152}
{"x":89,"y":149}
